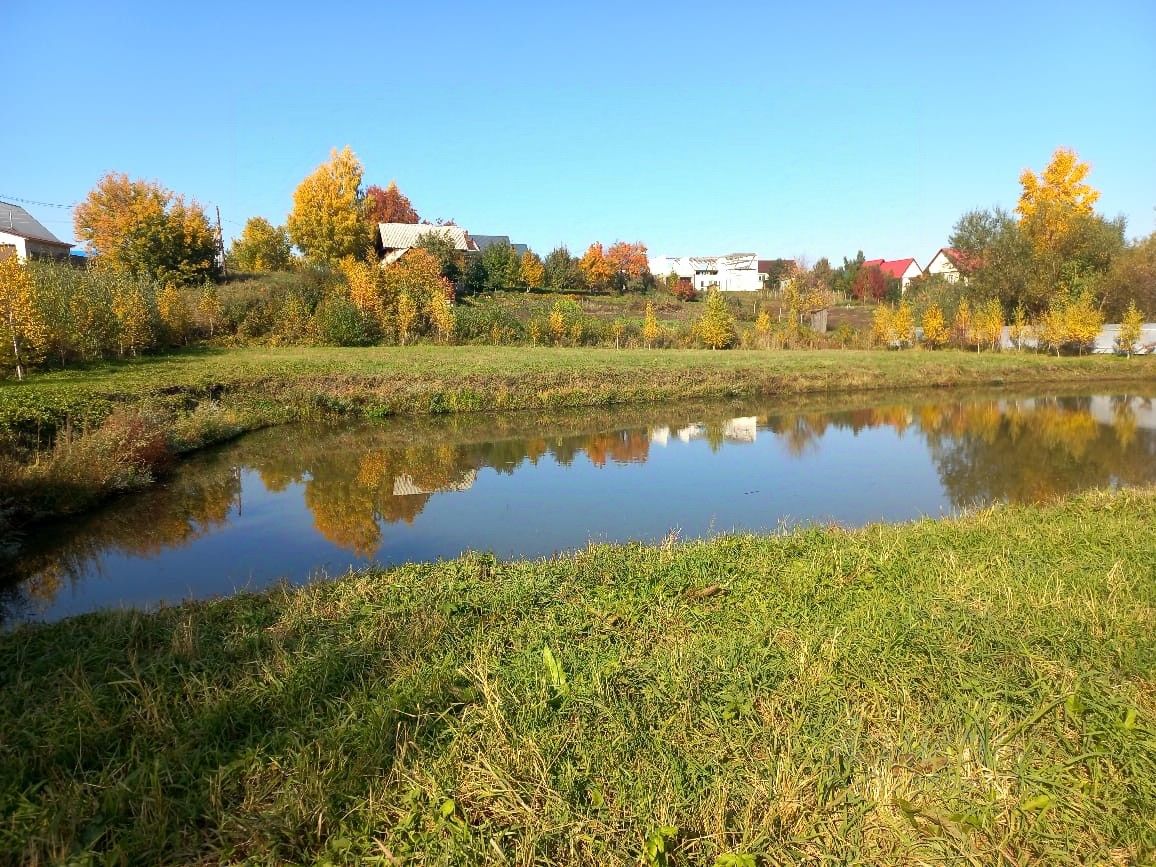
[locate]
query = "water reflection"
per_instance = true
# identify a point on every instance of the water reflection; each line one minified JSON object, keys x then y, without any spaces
{"x":283,"y":501}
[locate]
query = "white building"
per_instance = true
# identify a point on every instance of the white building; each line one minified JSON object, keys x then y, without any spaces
{"x":23,"y":237}
{"x":734,"y":272}
{"x":952,"y":264}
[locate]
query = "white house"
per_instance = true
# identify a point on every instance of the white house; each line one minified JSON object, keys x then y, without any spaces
{"x":734,"y":272}
{"x":397,"y":238}
{"x":23,"y":237}
{"x":952,"y":264}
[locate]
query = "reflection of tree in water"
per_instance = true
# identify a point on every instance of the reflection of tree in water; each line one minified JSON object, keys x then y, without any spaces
{"x":162,"y":517}
{"x":357,"y":479}
{"x":1039,"y":449}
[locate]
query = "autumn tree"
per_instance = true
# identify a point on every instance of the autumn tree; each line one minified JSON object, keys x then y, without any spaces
{"x":405,"y":316}
{"x":130,"y":305}
{"x":598,"y":271}
{"x":562,"y":271}
{"x":1019,"y":329}
{"x":261,"y":247}
{"x":327,"y":222}
{"x":533,"y":271}
{"x":631,"y":266}
{"x":1051,"y":201}
{"x":716,"y":327}
{"x":173,"y":313}
{"x":870,"y":284}
{"x":389,"y":205}
{"x":988,"y":324}
{"x":1083,"y":320}
{"x":144,"y":229}
{"x":650,"y":327}
{"x":962,"y":324}
{"x":24,"y":329}
{"x":1131,"y":327}
{"x":935,"y":332}
{"x":209,"y":307}
{"x":365,"y":283}
{"x":437,"y":242}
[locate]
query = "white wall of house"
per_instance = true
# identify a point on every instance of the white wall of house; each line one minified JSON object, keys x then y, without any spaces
{"x":735,"y":272}
{"x":940,"y":264}
{"x":26,"y":247}
{"x":913,"y":271}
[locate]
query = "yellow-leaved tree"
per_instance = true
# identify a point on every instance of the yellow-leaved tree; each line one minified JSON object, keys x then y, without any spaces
{"x":650,"y":327}
{"x":327,"y":222}
{"x":261,"y":247}
{"x":440,"y":312}
{"x":173,"y":313}
{"x":597,"y":270}
{"x":903,"y":324}
{"x":882,"y":327}
{"x":763,"y":328}
{"x":142,"y":228}
{"x":1052,"y":200}
{"x":209,"y":308}
{"x":404,"y":316}
{"x":24,"y":328}
{"x":935,"y":333}
{"x":1083,"y":320}
{"x":988,"y":324}
{"x":1019,"y":330}
{"x":962,"y":324}
{"x":716,"y":327}
{"x":366,"y":285}
{"x":533,"y":271}
{"x":1130,"y":328}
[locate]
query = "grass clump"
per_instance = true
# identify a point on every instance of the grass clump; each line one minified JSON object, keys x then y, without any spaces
{"x":978,"y":690}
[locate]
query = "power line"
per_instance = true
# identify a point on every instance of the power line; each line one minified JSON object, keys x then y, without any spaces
{"x":33,"y":202}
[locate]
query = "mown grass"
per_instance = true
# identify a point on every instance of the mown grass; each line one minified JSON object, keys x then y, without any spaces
{"x":979,"y":690}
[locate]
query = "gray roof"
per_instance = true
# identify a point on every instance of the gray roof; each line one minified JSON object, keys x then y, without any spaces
{"x":402,"y":236}
{"x":484,"y":241}
{"x":16,"y":221}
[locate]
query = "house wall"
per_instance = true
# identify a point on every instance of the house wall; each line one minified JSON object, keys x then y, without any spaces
{"x":26,"y":247}
{"x":910,"y":274}
{"x":942,"y":265}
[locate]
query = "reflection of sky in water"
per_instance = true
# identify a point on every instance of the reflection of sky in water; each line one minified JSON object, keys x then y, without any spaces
{"x":851,"y":469}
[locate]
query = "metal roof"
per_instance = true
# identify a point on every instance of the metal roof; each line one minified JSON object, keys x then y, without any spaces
{"x":16,"y":221}
{"x":402,"y":236}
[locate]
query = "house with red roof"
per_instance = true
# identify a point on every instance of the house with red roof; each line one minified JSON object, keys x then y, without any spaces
{"x":953,"y":264}
{"x":903,"y":270}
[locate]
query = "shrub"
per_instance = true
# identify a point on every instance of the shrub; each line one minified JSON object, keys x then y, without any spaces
{"x":338,"y":322}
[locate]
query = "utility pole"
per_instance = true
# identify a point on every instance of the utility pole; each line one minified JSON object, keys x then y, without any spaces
{"x":221,"y":242}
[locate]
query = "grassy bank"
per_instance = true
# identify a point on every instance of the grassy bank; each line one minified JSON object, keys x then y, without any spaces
{"x":68,"y":439}
{"x":978,"y":691}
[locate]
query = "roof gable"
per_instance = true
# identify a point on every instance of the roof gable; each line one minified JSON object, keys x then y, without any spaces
{"x":402,"y":236}
{"x":16,"y":221}
{"x":896,"y":267}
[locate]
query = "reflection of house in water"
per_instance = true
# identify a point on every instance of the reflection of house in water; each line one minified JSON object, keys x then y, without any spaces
{"x":405,"y":486}
{"x":743,"y":429}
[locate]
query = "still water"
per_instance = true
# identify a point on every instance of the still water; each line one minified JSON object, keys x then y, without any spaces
{"x":298,"y":501}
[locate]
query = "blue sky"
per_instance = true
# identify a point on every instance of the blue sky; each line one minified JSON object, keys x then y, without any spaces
{"x":783,"y":129}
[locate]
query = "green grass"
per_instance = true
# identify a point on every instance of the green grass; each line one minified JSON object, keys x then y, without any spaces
{"x":424,"y":379}
{"x":976,"y":691}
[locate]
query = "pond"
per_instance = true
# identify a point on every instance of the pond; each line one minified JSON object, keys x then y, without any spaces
{"x":299,"y":501}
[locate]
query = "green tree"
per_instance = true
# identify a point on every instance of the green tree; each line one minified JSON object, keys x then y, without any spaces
{"x":327,"y":221}
{"x":562,"y":271}
{"x":261,"y":247}
{"x":502,"y":265}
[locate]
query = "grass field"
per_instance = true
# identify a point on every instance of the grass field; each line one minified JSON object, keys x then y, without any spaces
{"x":975,"y":691}
{"x":424,"y":379}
